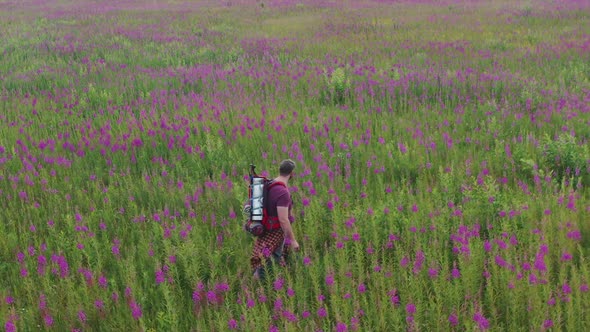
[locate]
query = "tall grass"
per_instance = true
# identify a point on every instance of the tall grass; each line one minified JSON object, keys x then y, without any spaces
{"x":441,"y":149}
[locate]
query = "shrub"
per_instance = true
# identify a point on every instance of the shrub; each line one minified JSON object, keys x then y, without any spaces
{"x":337,"y":88}
{"x":565,"y":159}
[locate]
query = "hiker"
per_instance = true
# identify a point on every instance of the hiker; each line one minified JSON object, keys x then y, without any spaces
{"x":276,"y":243}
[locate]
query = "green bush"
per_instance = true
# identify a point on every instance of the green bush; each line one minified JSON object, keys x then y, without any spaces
{"x":338,"y":87}
{"x":566,"y":159}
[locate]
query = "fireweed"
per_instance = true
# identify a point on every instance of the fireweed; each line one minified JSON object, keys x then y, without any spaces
{"x":436,"y":187}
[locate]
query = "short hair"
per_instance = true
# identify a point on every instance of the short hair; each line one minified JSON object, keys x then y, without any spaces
{"x":287,"y":166}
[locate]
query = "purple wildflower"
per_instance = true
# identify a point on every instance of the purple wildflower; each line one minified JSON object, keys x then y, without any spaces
{"x":211,"y":297}
{"x":393,"y":297}
{"x":135,"y":310}
{"x":411,"y":309}
{"x":278,"y":284}
{"x":160,"y":277}
{"x":341,"y":327}
{"x":278,"y":304}
{"x":290,"y":292}
{"x":362,"y":288}
{"x":481,"y":321}
{"x":48,"y":320}
{"x":232,"y":324}
{"x":102,"y":281}
{"x":547,"y":324}
{"x":82,"y":316}
{"x":330,"y":279}
{"x":453,"y":320}
{"x":99,"y":304}
{"x":433,"y":273}
{"x":9,"y":326}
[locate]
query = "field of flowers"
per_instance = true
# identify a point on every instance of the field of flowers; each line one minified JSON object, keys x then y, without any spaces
{"x":442,"y":155}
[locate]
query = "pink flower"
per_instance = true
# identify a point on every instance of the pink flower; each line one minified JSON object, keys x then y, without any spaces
{"x":99,"y":304}
{"x":211,"y":297}
{"x":135,"y":310}
{"x":404,"y":262}
{"x":82,"y":316}
{"x":393,"y":297}
{"x":330,"y":279}
{"x":290,"y":292}
{"x":411,"y":308}
{"x":102,"y":281}
{"x":9,"y":326}
{"x":574,"y":235}
{"x":160,"y":277}
{"x":453,"y":320}
{"x":306,"y":261}
{"x":402,"y":148}
{"x":232,"y":324}
{"x":330,"y":205}
{"x":278,"y":284}
{"x":341,"y":327}
{"x":278,"y":304}
{"x":362,"y":288}
{"x":48,"y":320}
{"x":548,"y":324}
{"x":481,"y":321}
{"x":250,"y":303}
{"x":433,"y":273}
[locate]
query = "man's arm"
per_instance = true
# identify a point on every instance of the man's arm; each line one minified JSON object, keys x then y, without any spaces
{"x":283,"y":212}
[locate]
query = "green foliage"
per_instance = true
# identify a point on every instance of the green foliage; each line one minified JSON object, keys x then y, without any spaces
{"x":125,"y":139}
{"x":565,"y":158}
{"x":575,"y":75}
{"x":337,"y":88}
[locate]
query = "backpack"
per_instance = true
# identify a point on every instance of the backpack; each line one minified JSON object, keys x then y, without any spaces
{"x":257,"y":207}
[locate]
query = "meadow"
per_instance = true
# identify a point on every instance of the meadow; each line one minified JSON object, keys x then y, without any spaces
{"x":442,"y":156}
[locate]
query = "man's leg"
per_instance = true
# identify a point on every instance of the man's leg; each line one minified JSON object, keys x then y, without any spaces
{"x":257,"y":259}
{"x":262,"y":257}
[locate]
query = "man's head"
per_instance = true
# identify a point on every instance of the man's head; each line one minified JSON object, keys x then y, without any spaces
{"x":286,"y":168}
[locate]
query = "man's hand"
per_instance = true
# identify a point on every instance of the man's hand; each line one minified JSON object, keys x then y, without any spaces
{"x":294,"y":245}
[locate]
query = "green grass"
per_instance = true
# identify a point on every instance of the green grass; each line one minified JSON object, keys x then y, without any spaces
{"x":418,"y":129}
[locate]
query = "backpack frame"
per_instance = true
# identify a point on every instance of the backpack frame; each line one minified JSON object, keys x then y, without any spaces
{"x":257,"y":224}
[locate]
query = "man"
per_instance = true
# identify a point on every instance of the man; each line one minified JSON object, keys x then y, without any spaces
{"x":276,"y":243}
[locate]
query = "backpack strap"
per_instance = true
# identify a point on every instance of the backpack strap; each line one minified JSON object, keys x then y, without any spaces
{"x":274,"y":183}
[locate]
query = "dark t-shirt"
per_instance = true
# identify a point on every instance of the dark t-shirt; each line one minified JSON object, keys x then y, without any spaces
{"x":278,"y":196}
